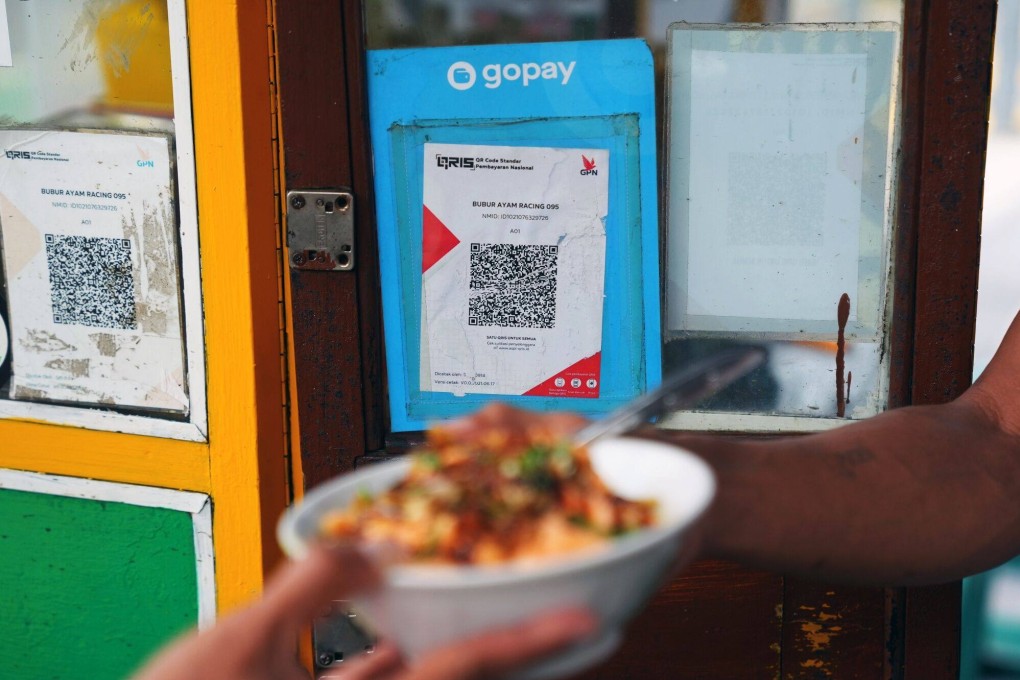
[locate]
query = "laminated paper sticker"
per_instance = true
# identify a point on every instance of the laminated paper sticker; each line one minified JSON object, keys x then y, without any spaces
{"x":89,"y":234}
{"x":775,"y":189}
{"x":513,"y":269}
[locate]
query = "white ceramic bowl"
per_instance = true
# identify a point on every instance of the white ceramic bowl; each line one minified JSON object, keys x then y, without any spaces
{"x":421,"y":607}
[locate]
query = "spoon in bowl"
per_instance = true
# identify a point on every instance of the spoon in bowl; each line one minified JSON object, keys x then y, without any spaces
{"x":681,"y":389}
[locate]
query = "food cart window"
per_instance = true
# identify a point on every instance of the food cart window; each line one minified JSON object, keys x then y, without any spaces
{"x":780,"y":142}
{"x":98,"y":229}
{"x":784,"y":247}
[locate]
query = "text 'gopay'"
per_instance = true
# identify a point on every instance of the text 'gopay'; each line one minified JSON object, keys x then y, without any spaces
{"x":462,"y":76}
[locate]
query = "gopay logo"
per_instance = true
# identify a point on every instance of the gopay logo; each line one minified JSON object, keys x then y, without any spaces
{"x":462,"y":76}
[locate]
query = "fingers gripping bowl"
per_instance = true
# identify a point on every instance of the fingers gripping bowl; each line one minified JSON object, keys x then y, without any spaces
{"x":423,"y":606}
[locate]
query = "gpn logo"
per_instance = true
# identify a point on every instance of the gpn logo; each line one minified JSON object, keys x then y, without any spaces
{"x":589,"y":166}
{"x":143,"y":158}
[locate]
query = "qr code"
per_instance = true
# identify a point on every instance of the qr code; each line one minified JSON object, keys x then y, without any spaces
{"x":91,"y":281}
{"x":512,"y":285}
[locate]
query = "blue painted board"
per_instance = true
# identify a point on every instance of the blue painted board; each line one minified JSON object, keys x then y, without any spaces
{"x":597,"y":94}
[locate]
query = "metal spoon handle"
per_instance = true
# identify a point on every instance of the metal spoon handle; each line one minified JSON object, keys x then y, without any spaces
{"x":687,"y":387}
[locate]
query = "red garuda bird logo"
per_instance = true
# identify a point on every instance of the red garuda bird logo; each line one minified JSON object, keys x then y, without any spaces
{"x":589,"y":163}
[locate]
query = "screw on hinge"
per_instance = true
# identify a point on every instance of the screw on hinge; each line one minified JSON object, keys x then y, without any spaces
{"x":297,"y":202}
{"x":298,"y":259}
{"x":325,"y":659}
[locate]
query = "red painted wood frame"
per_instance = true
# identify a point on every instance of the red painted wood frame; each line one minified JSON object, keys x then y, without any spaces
{"x":718,"y":620}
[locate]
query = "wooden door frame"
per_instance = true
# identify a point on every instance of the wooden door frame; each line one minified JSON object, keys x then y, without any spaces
{"x":947,"y":82}
{"x":336,"y":333}
{"x":335,"y":321}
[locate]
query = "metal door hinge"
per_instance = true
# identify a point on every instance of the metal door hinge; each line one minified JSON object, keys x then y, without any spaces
{"x":320,"y":230}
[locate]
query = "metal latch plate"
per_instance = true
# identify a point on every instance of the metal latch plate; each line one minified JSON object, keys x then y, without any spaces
{"x":320,"y":230}
{"x":338,"y":637}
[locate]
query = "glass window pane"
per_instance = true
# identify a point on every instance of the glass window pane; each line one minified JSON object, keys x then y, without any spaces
{"x":86,"y":81}
{"x":798,"y":381}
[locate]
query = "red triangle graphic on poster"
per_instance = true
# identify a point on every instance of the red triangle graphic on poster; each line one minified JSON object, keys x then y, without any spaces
{"x":436,"y":239}
{"x":581,"y":380}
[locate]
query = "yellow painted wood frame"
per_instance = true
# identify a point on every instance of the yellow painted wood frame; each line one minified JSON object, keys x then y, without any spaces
{"x":243,"y":465}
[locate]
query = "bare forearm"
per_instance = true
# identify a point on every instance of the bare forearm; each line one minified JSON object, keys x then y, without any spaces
{"x":917,"y":495}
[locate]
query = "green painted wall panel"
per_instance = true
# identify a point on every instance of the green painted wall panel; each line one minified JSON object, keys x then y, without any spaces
{"x":88,"y":589}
